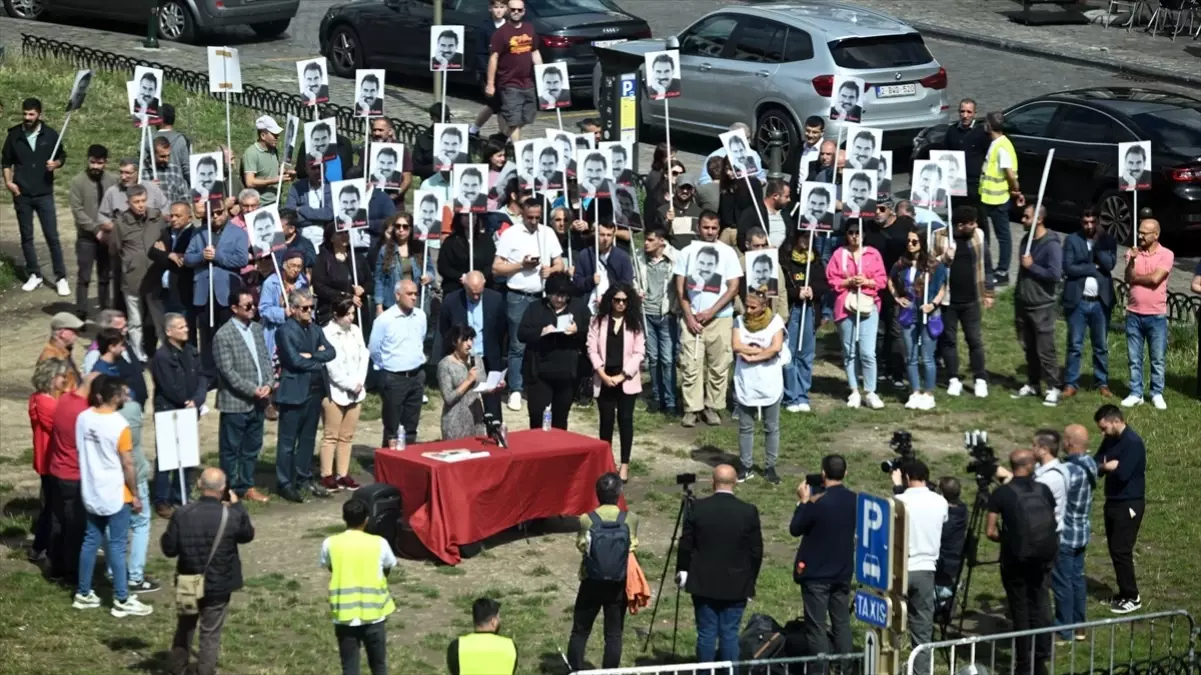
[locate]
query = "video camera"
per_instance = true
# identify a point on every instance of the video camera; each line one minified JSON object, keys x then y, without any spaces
{"x":983,"y":459}
{"x":902,"y":445}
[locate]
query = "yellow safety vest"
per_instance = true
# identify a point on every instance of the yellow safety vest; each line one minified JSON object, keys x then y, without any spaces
{"x":357,"y":588}
{"x":486,"y":654}
{"x":994,"y":188}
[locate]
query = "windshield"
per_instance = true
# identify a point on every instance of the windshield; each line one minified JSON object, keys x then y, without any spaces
{"x":566,"y":7}
{"x":1175,"y":128}
{"x":885,"y":51}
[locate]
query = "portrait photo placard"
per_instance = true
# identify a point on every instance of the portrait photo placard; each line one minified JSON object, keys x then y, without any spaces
{"x":320,"y":139}
{"x":428,"y":205}
{"x":79,"y":90}
{"x":265,"y":231}
{"x":706,"y":268}
{"x":550,"y":82}
{"x":884,"y":176}
{"x":312,"y":78}
{"x":225,"y":70}
{"x":859,"y":193}
{"x":739,"y":152}
{"x":663,"y":74}
{"x":929,"y":188}
{"x":954,"y":170}
{"x":625,"y":207}
{"x":369,"y":92}
{"x":761,"y":270}
{"x":148,"y":92}
{"x":549,"y":165}
{"x":350,"y":203}
{"x":1134,"y":166}
{"x":816,"y":206}
{"x":446,"y":48}
{"x":564,"y":144}
{"x":523,"y":154}
{"x":846,"y":99}
{"x":594,"y":168}
{"x":469,"y":188}
{"x":291,"y":131}
{"x":450,"y":146}
{"x":208,"y":176}
{"x":622,"y":155}
{"x":863,"y":147}
{"x":387,"y":164}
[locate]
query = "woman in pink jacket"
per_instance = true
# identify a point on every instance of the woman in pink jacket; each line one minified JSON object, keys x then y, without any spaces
{"x":856,"y":275}
{"x":616,"y":347}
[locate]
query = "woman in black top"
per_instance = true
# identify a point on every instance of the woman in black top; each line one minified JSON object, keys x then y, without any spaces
{"x":334,"y":279}
{"x":552,"y":355}
{"x":736,"y":197}
{"x":453,"y":261}
{"x":616,"y":347}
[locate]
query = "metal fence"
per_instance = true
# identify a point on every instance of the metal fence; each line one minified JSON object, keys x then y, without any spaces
{"x":1129,"y":644}
{"x":1182,"y":308}
{"x":847,"y":664}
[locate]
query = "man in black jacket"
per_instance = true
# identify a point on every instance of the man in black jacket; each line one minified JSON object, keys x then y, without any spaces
{"x":178,"y":383}
{"x":171,"y":278}
{"x":825,"y":559}
{"x":461,"y":308}
{"x":29,"y":175}
{"x":973,"y":140}
{"x":192,"y":537}
{"x":721,"y":549}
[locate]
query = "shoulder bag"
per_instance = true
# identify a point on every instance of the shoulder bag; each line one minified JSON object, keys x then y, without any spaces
{"x":189,"y":588}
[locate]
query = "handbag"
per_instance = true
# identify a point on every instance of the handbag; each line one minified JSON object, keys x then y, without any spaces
{"x":189,"y":588}
{"x":934,"y":323}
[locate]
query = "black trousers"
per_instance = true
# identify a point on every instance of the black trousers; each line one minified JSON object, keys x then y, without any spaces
{"x":889,"y":344}
{"x":556,"y":393}
{"x":591,"y":598}
{"x":613,"y":404}
{"x":1036,"y":333}
{"x":67,"y":539}
{"x":373,"y":637}
{"x":208,"y":329}
{"x":400,"y":396}
{"x":89,"y":253}
{"x":1026,"y":592}
{"x":1121,"y":531}
{"x":967,"y":315}
{"x":821,"y":600}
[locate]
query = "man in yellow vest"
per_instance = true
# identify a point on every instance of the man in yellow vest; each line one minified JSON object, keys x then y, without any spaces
{"x":483,"y":651}
{"x":359,"y":600}
{"x":998,"y":184}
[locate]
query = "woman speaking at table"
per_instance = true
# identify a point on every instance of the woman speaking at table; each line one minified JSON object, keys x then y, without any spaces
{"x":553,"y":332}
{"x":616,"y":347}
{"x":458,"y":375}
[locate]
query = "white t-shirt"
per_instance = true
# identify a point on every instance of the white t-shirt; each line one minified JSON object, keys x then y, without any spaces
{"x":777,"y":230}
{"x":1053,"y":475}
{"x":925,"y":513}
{"x":760,"y":383}
{"x":1005,"y":160}
{"x":1090,"y":283}
{"x":518,"y":242}
{"x":101,"y":437}
{"x":706,"y":267}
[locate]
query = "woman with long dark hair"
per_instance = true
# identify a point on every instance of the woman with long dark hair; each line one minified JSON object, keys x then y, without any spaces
{"x":458,"y":374}
{"x":333,"y":275}
{"x":553,"y":331}
{"x":917,"y":280}
{"x":454,"y":261}
{"x":616,"y":348}
{"x":401,"y":257}
{"x":659,"y":165}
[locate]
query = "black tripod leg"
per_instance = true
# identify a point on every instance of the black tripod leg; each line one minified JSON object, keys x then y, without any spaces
{"x":671,"y":547}
{"x":675,"y":625}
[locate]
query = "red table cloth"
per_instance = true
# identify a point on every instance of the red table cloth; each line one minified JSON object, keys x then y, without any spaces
{"x":542,"y":474}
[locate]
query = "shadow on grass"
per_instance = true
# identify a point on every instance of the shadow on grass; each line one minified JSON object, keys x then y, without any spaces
{"x":29,"y":507}
{"x":713,"y":456}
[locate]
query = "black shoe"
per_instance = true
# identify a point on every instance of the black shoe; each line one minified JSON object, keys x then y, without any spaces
{"x":317,"y":489}
{"x":770,"y":475}
{"x":146,"y":585}
{"x":745,"y":474}
{"x":1000,"y":279}
{"x":293,"y":495}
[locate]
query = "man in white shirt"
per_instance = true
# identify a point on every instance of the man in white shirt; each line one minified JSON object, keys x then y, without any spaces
{"x":1050,"y":471}
{"x":707,"y":276}
{"x":925,"y":513}
{"x":526,"y":254}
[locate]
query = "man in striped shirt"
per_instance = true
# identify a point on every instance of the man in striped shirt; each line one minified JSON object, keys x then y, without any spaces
{"x":1067,"y":577}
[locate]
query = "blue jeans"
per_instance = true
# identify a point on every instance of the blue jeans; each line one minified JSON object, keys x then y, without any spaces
{"x":139,"y":526}
{"x":999,"y":217}
{"x":825,"y":246}
{"x":864,"y":354}
{"x":297,"y":441}
{"x":43,"y":206}
{"x":240,"y":438}
{"x":717,"y":621}
{"x":168,"y":491}
{"x":1153,"y":330}
{"x":515,"y":304}
{"x":798,"y":374}
{"x":662,"y":346}
{"x":1068,"y":587}
{"x":114,"y":544}
{"x":919,"y":349}
{"x":1090,"y":314}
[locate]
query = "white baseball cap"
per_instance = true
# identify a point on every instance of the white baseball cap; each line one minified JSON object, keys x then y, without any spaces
{"x":267,"y":123}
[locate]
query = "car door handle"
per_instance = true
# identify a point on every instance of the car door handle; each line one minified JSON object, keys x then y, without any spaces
{"x":704,"y":67}
{"x":763,"y":73}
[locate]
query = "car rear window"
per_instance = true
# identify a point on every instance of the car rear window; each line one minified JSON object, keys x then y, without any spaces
{"x":566,"y":7}
{"x":1178,"y":129}
{"x":885,"y":51}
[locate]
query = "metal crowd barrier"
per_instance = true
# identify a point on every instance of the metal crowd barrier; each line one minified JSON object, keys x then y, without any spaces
{"x":1110,"y":646}
{"x":1182,"y":308}
{"x":847,"y":664}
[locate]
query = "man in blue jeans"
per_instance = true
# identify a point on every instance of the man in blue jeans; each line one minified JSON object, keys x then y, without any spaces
{"x":1067,"y":576}
{"x":805,"y":280}
{"x":720,"y":552}
{"x":1147,"y":271}
{"x":654,"y":272}
{"x":1088,"y":259}
{"x":29,"y":175}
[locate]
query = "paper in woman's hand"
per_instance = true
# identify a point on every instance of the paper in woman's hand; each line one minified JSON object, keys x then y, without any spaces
{"x":488,"y":386}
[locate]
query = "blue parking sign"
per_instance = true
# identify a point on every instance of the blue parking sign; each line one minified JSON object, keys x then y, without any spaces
{"x":629,"y":84}
{"x":872,"y":609}
{"x":873,"y":542}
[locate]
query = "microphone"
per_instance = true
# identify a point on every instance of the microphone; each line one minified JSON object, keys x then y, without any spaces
{"x":496,"y":430}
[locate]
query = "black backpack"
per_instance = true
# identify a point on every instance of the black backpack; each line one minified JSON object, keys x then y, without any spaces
{"x":1033,"y":537}
{"x":609,"y":553}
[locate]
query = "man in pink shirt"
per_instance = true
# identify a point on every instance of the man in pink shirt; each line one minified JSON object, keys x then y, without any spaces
{"x":1147,"y":270}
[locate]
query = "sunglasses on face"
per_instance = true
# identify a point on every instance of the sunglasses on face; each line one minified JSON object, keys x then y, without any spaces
{"x":914,"y":242}
{"x":404,"y":226}
{"x":621,"y":300}
{"x":516,"y":10}
{"x":303,"y":308}
{"x":881,"y":209}
{"x":246,"y":305}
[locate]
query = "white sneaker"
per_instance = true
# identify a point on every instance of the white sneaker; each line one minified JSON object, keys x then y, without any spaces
{"x":798,"y":408}
{"x":89,"y":601}
{"x":873,"y":401}
{"x":515,"y":401}
{"x":1131,"y":401}
{"x":954,"y":387}
{"x":131,"y":607}
{"x":62,"y":287}
{"x":981,"y":389}
{"x":204,"y":409}
{"x":1025,"y":391}
{"x":853,"y":400}
{"x":1158,"y":402}
{"x":914,"y":402}
{"x":1052,"y":398}
{"x":31,"y":283}
{"x":424,"y":399}
{"x":926,"y":403}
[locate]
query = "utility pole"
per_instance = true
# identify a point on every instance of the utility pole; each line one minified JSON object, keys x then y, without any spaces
{"x":438,"y":76}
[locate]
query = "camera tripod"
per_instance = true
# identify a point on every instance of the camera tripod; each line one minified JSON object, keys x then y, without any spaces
{"x":971,"y":542}
{"x":686,"y":498}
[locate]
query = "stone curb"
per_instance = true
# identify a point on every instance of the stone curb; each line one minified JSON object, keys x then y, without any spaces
{"x":1104,"y":62}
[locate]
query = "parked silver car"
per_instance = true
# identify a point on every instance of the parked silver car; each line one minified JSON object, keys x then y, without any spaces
{"x":771,"y":66}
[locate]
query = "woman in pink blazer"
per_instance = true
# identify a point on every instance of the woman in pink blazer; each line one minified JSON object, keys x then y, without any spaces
{"x":616,"y":347}
{"x":856,"y":275}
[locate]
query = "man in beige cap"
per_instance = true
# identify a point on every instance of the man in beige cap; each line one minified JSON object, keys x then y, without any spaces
{"x":260,"y":162}
{"x":64,"y":331}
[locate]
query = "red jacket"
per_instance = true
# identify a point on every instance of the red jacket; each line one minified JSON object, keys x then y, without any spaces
{"x":41,"y":418}
{"x":64,"y":456}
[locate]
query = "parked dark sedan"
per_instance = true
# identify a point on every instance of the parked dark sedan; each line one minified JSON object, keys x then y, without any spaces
{"x":1084,"y":127}
{"x":179,"y":20}
{"x":394,"y":34}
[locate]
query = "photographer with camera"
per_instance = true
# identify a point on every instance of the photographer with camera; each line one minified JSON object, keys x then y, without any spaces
{"x":1029,"y":544}
{"x":925,"y":513}
{"x":954,"y":535}
{"x":825,"y":560}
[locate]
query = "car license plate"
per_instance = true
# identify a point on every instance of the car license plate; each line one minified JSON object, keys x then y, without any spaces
{"x":607,"y":43}
{"x":892,"y":90}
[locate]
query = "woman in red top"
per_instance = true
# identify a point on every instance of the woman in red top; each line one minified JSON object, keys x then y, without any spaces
{"x":49,"y":377}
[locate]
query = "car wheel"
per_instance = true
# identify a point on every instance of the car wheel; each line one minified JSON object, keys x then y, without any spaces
{"x":345,"y":51}
{"x":777,"y":119}
{"x":175,"y":22}
{"x":25,"y":9}
{"x":1113,"y":215}
{"x":270,"y":29}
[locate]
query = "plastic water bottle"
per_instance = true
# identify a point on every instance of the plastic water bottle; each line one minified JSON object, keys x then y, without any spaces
{"x":546,"y":419}
{"x":400,"y":438}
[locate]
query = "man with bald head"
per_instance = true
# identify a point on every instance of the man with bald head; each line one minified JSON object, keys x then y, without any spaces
{"x":721,"y":549}
{"x":397,"y":350}
{"x":190,"y":537}
{"x":484,"y":310}
{"x":1067,"y":578}
{"x":1147,"y":271}
{"x":1026,"y":509}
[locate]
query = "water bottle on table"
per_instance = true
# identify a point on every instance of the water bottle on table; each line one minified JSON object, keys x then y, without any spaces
{"x":400,"y":437}
{"x":546,"y":419}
